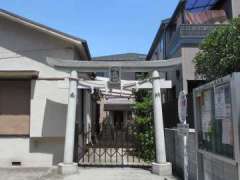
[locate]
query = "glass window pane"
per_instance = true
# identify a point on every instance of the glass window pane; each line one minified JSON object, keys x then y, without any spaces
{"x":215,"y":120}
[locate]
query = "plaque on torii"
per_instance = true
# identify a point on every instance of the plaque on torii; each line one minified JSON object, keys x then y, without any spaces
{"x":115,"y":78}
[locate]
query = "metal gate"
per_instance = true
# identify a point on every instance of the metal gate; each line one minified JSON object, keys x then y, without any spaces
{"x":111,"y":145}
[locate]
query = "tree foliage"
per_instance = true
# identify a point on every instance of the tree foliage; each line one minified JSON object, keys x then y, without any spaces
{"x":144,"y":134}
{"x":220,"y":52}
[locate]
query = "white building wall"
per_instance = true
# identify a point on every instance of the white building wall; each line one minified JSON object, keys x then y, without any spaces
{"x":22,"y":48}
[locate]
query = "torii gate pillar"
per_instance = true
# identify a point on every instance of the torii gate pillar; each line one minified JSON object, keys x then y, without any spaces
{"x":68,"y":166}
{"x":161,"y":166}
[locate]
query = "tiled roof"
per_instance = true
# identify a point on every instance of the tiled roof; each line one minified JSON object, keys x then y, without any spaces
{"x":122,"y":57}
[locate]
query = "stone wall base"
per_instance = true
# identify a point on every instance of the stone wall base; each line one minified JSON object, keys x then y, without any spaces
{"x":163,"y":169}
{"x":66,"y":169}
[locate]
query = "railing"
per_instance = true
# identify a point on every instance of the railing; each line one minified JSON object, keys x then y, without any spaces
{"x":115,"y":145}
{"x":196,"y":31}
{"x":193,"y":33}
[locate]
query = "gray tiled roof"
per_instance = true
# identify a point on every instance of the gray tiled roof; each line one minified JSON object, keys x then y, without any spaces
{"x":122,"y":57}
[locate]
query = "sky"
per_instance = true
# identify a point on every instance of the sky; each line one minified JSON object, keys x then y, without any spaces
{"x":109,"y":26}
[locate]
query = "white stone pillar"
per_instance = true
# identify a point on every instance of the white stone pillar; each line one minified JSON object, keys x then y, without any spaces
{"x":161,"y":166}
{"x":87,"y":115}
{"x":68,"y":166}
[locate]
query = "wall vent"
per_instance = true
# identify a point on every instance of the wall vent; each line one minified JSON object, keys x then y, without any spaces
{"x":16,"y":163}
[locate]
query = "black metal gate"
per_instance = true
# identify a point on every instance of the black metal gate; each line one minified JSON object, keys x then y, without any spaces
{"x":110,"y":145}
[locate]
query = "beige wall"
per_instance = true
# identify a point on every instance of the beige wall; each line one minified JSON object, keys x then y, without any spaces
{"x":188,"y":69}
{"x":22,"y":48}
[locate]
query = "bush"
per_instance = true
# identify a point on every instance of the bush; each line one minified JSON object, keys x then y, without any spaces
{"x":144,"y":133}
{"x":220,"y":52}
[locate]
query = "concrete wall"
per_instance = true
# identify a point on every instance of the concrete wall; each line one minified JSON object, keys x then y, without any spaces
{"x":188,"y":69}
{"x":22,"y":48}
{"x":202,"y":166}
{"x":235,"y":8}
{"x":174,"y":150}
{"x":171,"y":74}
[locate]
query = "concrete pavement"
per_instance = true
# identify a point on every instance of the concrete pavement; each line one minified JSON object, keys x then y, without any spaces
{"x":83,"y":174}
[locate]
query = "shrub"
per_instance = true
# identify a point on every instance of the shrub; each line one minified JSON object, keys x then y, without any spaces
{"x":220,"y":52}
{"x":144,"y":133}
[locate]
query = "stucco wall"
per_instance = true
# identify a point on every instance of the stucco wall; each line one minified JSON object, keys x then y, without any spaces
{"x":48,"y":109}
{"x":31,"y":152}
{"x":22,"y":48}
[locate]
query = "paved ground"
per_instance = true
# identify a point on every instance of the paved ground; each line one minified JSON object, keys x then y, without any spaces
{"x":84,"y":174}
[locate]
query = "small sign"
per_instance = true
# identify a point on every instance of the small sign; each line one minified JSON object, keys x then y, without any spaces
{"x":183,"y":129}
{"x":115,"y":78}
{"x":115,"y":73}
{"x":182,"y":107}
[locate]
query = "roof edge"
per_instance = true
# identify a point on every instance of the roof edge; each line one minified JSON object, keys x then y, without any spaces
{"x":156,"y":38}
{"x":48,"y":30}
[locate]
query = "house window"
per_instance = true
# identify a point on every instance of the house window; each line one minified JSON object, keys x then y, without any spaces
{"x":14,"y":107}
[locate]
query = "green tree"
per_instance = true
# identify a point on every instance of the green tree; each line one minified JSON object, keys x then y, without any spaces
{"x":144,"y":133}
{"x":220,"y":52}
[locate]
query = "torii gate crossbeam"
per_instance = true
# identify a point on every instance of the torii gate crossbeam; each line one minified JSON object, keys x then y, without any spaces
{"x":161,"y":166}
{"x":126,"y":66}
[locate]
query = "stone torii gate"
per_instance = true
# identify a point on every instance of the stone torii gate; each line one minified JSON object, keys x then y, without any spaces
{"x":161,"y":166}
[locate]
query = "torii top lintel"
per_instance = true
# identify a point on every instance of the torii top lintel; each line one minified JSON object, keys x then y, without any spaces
{"x":126,"y":66}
